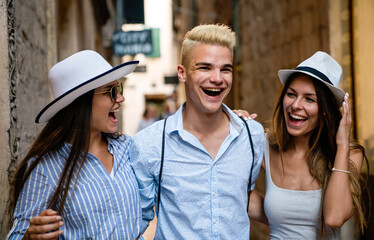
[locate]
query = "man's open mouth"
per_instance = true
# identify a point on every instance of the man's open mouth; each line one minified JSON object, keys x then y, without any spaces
{"x":213,"y":91}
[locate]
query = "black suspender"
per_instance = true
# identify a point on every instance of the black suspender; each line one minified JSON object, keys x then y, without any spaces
{"x":161,"y":166}
{"x":162,"y":163}
{"x":253,"y":160}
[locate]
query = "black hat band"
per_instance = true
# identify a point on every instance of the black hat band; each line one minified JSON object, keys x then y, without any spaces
{"x":315,"y":72}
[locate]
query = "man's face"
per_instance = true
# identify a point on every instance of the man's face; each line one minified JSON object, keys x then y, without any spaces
{"x":207,"y":77}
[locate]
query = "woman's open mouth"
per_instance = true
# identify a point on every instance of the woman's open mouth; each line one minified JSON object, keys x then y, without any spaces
{"x":296,"y":119}
{"x":112,"y":115}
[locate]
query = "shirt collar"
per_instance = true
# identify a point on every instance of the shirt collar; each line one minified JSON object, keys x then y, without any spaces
{"x":176,"y":121}
{"x":66,"y":147}
{"x":65,"y":150}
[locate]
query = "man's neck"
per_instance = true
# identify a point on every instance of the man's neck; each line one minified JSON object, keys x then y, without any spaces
{"x":210,"y":129}
{"x":203,"y":123}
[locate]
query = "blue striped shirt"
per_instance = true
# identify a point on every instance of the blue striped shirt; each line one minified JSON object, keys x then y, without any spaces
{"x":102,"y":206}
{"x":201,"y":197}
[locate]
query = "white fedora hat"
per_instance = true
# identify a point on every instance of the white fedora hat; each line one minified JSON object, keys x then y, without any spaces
{"x":77,"y":75}
{"x":320,"y":66}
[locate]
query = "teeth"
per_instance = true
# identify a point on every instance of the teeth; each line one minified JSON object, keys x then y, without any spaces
{"x":213,"y":89}
{"x":297,"y":117}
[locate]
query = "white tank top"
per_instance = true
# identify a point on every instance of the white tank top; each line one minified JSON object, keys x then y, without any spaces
{"x":292,"y":214}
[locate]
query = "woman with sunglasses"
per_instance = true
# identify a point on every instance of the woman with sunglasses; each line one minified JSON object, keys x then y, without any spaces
{"x":78,"y":167}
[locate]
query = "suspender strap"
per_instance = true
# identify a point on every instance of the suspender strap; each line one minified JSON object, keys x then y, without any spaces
{"x":253,"y":160}
{"x":162,"y":163}
{"x":161,"y":167}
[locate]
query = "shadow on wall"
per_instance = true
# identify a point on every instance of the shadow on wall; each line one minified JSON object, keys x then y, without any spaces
{"x":369,"y":233}
{"x":369,"y":150}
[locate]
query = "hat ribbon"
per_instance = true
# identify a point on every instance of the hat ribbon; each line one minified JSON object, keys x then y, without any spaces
{"x":315,"y":72}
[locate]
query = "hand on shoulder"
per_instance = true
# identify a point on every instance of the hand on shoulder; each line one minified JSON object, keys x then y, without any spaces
{"x":244,"y":114}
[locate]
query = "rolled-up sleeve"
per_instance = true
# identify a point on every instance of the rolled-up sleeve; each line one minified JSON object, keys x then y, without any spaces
{"x":32,"y":200}
{"x":141,"y":165}
{"x":258,"y":138}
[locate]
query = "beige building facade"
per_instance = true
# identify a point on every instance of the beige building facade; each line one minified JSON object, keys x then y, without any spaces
{"x":149,"y":87}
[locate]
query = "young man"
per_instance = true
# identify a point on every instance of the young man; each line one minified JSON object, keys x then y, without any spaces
{"x":207,"y":151}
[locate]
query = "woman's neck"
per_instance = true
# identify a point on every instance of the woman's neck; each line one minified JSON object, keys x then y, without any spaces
{"x":299,"y":146}
{"x":97,"y":141}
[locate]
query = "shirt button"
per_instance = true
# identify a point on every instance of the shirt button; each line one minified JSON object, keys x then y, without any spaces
{"x":213,"y":193}
{"x":214,"y":221}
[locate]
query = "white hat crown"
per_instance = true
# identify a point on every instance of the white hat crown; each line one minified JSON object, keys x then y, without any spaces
{"x":324,"y":66}
{"x":77,"y":75}
{"x":320,"y":66}
{"x":75,"y":70}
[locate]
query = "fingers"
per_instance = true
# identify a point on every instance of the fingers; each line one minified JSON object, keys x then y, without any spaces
{"x":49,"y":236}
{"x":45,"y":226}
{"x":253,"y":116}
{"x":346,"y":116}
{"x":244,"y":114}
{"x":42,"y":220}
{"x":48,"y":212}
{"x":237,"y":112}
{"x":343,"y":133}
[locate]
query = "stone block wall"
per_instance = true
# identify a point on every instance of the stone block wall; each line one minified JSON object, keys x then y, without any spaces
{"x":31,"y":90}
{"x":188,"y":14}
{"x":30,"y":34}
{"x":25,"y":33}
{"x":276,"y":35}
{"x":4,"y":116}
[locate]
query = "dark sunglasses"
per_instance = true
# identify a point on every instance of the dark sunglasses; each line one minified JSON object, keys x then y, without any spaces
{"x":114,"y":90}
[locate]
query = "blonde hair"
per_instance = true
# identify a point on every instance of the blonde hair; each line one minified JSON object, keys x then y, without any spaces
{"x":214,"y":34}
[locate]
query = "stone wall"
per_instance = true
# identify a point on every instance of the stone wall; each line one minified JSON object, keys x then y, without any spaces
{"x":23,"y":85}
{"x":188,"y":14}
{"x":275,"y":35}
{"x":32,"y":41}
{"x":31,"y":91}
{"x":4,"y":116}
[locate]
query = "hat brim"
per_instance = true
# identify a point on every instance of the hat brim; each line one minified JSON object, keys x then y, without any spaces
{"x":284,"y":74}
{"x":64,"y":100}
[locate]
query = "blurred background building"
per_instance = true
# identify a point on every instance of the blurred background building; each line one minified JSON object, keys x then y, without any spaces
{"x":155,"y":79}
{"x":272,"y":34}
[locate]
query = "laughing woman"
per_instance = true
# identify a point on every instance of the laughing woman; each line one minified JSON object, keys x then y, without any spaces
{"x":78,"y":166}
{"x":313,"y":180}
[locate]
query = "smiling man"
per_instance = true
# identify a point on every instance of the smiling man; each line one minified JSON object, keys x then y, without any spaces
{"x":202,"y":153}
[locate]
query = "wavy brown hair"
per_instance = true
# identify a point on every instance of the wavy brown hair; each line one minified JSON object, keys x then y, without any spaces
{"x":71,"y":124}
{"x":322,"y":149}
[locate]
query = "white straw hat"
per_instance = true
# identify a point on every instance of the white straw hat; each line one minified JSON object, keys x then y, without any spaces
{"x":77,"y":75}
{"x":320,"y":66}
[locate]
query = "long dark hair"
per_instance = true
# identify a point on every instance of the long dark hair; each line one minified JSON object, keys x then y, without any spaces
{"x":323,"y":148}
{"x":71,"y":124}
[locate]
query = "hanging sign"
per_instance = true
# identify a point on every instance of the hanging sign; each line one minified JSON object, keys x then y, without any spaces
{"x":132,"y":42}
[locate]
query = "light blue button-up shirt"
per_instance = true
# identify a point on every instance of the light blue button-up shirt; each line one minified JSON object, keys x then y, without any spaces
{"x":201,"y":197}
{"x":102,"y":206}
